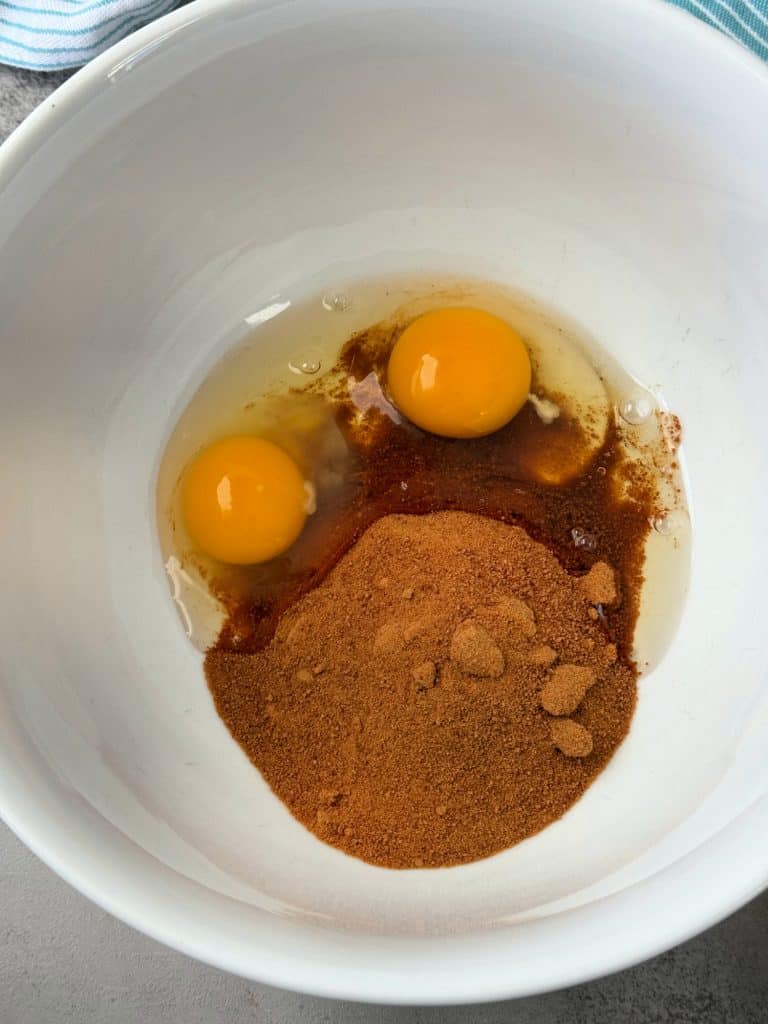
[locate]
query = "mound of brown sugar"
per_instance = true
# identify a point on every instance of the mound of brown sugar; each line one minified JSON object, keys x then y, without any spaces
{"x":402,"y":709}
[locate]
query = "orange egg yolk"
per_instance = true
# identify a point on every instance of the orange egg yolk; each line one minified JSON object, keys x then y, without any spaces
{"x":459,"y":372}
{"x":243,"y":500}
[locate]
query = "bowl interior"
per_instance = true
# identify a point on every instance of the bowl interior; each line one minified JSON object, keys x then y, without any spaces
{"x":262,"y":152}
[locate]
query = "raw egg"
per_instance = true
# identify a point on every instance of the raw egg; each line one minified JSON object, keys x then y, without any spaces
{"x":244,"y":500}
{"x":459,"y":372}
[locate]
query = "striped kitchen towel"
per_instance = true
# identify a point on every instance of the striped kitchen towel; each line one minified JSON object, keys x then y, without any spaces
{"x":746,"y":21}
{"x":48,"y":35}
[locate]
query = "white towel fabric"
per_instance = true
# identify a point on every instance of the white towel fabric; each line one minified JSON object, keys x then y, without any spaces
{"x":48,"y":35}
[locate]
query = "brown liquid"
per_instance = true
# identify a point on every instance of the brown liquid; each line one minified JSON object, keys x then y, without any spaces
{"x":526,"y":473}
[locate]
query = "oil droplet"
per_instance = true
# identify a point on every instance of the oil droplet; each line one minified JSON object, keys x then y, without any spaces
{"x":636,"y":409}
{"x":336,"y":302}
{"x":581,"y":539}
{"x":308,"y":365}
{"x":665,"y":525}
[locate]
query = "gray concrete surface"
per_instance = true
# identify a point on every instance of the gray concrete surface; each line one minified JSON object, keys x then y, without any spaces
{"x":20,"y":93}
{"x":63,"y":961}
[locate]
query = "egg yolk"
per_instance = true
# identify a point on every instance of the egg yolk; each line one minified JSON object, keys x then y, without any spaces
{"x":459,"y":372}
{"x":243,"y":500}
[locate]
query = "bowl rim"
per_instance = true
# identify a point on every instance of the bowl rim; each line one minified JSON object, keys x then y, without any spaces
{"x":687,"y":883}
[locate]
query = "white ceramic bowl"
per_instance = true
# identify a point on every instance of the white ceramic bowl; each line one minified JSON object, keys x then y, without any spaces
{"x":610,"y":160}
